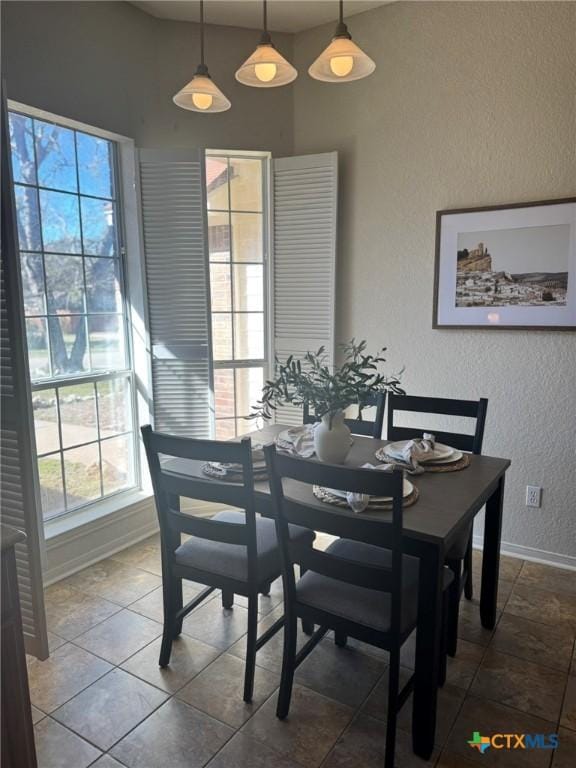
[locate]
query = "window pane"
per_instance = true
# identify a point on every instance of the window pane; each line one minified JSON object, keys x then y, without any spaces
{"x":114,"y":407}
{"x":244,"y":426}
{"x":55,"y":155}
{"x":220,"y":288}
{"x":224,"y":393}
{"x":222,"y":336}
{"x":106,"y":342}
{"x":68,"y":344}
{"x":247,"y":237}
{"x":103,"y":292}
{"x":64,"y":284}
{"x":28,"y":218}
{"x":46,"y":421}
{"x":38,"y":354}
{"x":219,"y":236}
{"x":60,"y":222}
{"x":22,"y":145}
{"x":82,"y":474}
{"x":94,"y":165}
{"x":249,"y":382}
{"x":245,"y":184}
{"x":249,"y":336}
{"x":78,"y":414}
{"x":51,"y":488}
{"x":32,"y":270}
{"x":248,"y":288}
{"x":117,"y":463}
{"x":225,"y":429}
{"x":98,"y":227}
{"x":217,"y":183}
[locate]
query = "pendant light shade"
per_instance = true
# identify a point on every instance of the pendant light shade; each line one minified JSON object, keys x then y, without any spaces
{"x":266,"y":67}
{"x":202,"y":94}
{"x":342,"y":61}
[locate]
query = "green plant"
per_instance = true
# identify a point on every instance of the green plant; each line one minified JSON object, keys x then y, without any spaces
{"x":327,"y":389}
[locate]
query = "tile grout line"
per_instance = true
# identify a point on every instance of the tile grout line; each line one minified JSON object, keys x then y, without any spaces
{"x":357,"y":711}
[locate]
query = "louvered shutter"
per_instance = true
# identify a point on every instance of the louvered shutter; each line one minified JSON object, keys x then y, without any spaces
{"x":19,"y":506}
{"x":304,"y":267}
{"x":172,"y":188}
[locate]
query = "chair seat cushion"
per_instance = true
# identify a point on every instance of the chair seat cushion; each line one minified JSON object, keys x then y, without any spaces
{"x":367,"y":607}
{"x":459,"y":547}
{"x":231,"y":560}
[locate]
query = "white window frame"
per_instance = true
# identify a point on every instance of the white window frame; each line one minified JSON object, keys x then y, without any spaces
{"x":267,"y":260}
{"x":136,"y":318}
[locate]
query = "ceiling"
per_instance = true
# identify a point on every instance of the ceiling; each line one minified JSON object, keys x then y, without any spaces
{"x":283,"y":15}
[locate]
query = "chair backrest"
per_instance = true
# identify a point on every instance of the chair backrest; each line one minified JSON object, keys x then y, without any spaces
{"x":472,"y":409}
{"x":359,"y":426}
{"x":294,"y":504}
{"x":176,"y":470}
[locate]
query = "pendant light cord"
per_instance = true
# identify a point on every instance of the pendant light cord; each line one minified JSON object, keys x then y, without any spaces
{"x":341,"y":28}
{"x":202,"y":32}
{"x":202,"y":68}
{"x":265,"y":38}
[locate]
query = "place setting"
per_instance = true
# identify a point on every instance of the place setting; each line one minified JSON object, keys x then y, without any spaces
{"x":220,"y":470}
{"x":361,"y":502}
{"x":421,"y":455}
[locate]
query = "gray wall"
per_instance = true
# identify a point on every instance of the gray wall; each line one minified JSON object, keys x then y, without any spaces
{"x":471,"y":104}
{"x":113,"y":66}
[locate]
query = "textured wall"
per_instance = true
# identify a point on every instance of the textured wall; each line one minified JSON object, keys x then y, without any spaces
{"x":471,"y":104}
{"x":111,"y":65}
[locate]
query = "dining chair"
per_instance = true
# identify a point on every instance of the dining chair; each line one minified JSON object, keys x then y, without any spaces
{"x":359,"y":426}
{"x":459,"y":557}
{"x":235,"y":551}
{"x":361,"y":586}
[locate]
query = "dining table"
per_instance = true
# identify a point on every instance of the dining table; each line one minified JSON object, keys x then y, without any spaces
{"x":444,"y":510}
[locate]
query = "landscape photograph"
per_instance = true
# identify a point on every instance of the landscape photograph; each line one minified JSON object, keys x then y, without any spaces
{"x":525,"y":266}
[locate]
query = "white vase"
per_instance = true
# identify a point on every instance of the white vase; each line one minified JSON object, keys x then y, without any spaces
{"x":332,"y":438}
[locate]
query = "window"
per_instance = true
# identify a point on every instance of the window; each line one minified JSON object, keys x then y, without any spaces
{"x":71,"y":260}
{"x":237,"y":237}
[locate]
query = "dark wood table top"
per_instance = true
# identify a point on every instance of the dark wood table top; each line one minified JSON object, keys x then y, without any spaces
{"x":447,"y":501}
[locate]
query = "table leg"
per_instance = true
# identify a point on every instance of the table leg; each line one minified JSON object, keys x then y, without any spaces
{"x":428,"y":644}
{"x":491,"y":556}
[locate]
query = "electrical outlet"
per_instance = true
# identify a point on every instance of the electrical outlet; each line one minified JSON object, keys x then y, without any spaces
{"x":533,"y":496}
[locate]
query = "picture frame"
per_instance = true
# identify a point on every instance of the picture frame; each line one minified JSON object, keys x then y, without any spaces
{"x":507,"y":267}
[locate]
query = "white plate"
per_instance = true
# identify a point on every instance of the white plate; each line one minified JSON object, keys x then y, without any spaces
{"x":456,"y":456}
{"x":406,"y":491}
{"x":440,"y":453}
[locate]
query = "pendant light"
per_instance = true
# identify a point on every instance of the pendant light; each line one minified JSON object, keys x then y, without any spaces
{"x":266,"y":67}
{"x":202,"y":94}
{"x":342,"y":61}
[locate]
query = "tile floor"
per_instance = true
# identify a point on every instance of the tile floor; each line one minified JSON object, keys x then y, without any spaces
{"x":100,"y":699}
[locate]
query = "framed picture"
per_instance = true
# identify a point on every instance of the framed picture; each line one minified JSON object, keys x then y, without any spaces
{"x":507,"y":266}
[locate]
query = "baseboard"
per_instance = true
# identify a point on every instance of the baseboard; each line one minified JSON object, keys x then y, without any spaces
{"x":534,"y":555}
{"x":85,"y":545}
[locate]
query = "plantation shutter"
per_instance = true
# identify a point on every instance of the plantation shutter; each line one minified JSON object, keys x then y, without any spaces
{"x":172,"y":186}
{"x":20,"y":506}
{"x":304,"y":267}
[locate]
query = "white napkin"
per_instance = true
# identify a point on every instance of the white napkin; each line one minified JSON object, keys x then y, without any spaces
{"x":359,"y":501}
{"x":419,"y":449}
{"x":413,"y":452}
{"x":298,"y":440}
{"x":224,"y":468}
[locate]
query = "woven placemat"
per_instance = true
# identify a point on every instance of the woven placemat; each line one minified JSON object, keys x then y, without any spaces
{"x":454,"y":466}
{"x":230,"y":475}
{"x":375,"y":504}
